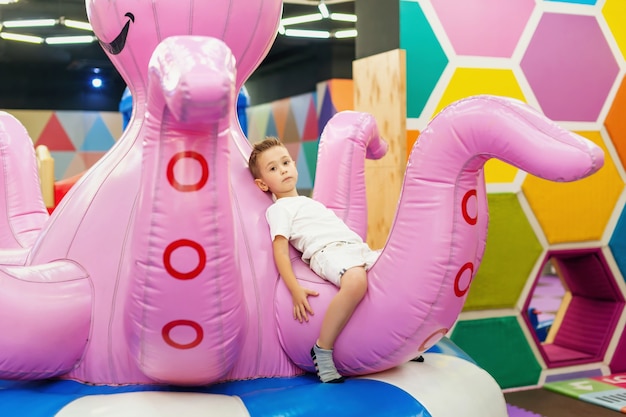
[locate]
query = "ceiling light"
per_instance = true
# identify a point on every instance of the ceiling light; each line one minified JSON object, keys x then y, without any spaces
{"x":8,"y":1}
{"x":66,"y":40}
{"x":77,"y":24}
{"x":96,"y":82}
{"x":348,"y":33}
{"x":323,"y":9}
{"x":324,"y":13}
{"x":29,"y":23}
{"x":307,"y":33}
{"x":301,"y":19}
{"x":343,"y":17}
{"x":20,"y":38}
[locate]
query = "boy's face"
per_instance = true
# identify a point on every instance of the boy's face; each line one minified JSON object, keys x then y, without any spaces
{"x":278,"y":172}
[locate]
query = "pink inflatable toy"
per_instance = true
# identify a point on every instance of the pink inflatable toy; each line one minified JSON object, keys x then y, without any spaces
{"x":157,"y":268}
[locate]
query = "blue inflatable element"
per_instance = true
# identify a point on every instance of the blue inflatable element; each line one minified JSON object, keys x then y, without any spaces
{"x":126,"y":107}
{"x":412,"y":389}
{"x":447,"y":347}
{"x":243,"y":102}
{"x":355,"y":397}
{"x":262,"y":397}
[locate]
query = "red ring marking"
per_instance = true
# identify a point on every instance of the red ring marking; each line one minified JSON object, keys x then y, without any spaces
{"x":188,"y":187}
{"x":167,"y":255}
{"x":427,"y":345}
{"x":461,"y":292}
{"x":470,"y":220}
{"x":169,"y":326}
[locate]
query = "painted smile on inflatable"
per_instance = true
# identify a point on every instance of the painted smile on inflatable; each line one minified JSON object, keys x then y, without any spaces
{"x":118,"y":43}
{"x":157,"y":266}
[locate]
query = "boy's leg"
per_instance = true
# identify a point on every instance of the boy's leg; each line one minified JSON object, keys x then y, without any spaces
{"x":352,"y":290}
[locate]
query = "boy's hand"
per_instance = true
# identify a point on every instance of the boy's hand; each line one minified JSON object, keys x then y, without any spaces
{"x":301,"y":304}
{"x":299,"y":294}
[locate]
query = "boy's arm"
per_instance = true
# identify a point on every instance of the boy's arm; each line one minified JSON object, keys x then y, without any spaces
{"x":299,"y":294}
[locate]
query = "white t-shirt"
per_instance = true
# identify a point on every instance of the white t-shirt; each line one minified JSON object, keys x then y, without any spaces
{"x":307,"y":224}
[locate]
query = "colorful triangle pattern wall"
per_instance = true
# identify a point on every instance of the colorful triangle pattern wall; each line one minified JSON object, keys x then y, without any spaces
{"x":76,"y":139}
{"x":299,"y":121}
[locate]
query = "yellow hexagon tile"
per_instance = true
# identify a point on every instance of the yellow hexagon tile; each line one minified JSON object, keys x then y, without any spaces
{"x":578,"y":211}
{"x":466,"y":82}
{"x":614,"y":12}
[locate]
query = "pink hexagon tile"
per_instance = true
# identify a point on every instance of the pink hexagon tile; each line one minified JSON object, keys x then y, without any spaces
{"x":570,"y":67}
{"x":489,"y":28}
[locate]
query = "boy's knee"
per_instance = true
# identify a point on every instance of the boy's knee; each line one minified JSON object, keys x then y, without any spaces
{"x":355,"y":280}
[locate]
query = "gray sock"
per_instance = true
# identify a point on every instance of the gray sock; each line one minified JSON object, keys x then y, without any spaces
{"x":324,"y":364}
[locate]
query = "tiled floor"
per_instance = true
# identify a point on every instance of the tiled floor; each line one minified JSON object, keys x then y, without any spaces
{"x":550,"y":404}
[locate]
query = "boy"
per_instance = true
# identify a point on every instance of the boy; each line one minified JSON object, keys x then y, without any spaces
{"x":331,"y":249}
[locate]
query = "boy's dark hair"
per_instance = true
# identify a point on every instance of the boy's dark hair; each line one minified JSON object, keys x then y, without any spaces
{"x":257,"y":149}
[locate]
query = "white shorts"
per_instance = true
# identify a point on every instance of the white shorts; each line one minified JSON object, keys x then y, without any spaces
{"x":335,"y":259}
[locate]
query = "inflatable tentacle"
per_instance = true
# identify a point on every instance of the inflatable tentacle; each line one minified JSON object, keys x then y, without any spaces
{"x":439,"y":231}
{"x":341,"y":187}
{"x":22,"y":211}
{"x":49,"y":337}
{"x":443,"y":179}
{"x":187,"y":318}
{"x":14,"y":256}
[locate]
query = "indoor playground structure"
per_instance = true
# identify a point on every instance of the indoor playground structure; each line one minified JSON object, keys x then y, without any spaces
{"x":532,"y":51}
{"x":151,"y":288}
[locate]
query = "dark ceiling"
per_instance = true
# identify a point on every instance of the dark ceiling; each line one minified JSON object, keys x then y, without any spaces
{"x":58,"y":77}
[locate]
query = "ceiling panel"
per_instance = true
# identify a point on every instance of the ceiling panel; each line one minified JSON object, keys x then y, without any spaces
{"x":44,"y":73}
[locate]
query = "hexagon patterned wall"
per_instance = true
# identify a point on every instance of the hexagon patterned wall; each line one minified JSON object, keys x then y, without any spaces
{"x":567,"y":59}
